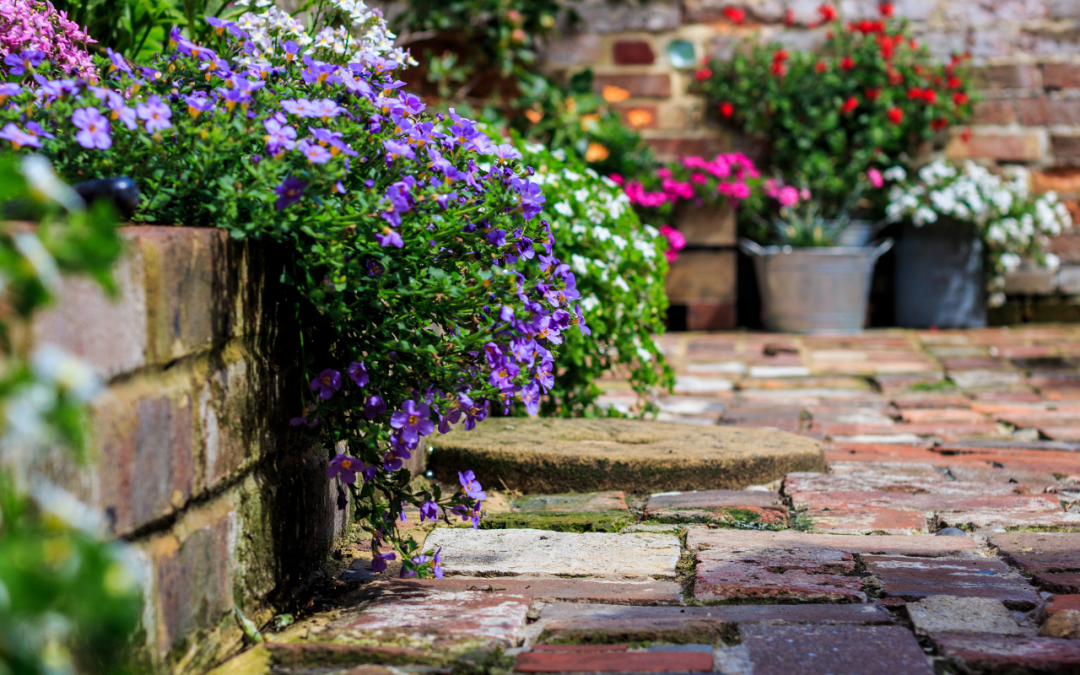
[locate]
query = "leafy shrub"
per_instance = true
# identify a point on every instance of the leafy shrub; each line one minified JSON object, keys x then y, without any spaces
{"x":404,"y":246}
{"x":619,"y":270}
{"x":68,"y":601}
{"x":870,"y":99}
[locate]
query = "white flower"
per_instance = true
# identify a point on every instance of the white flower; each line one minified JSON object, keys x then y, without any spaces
{"x":1052,"y":261}
{"x":644,"y":354}
{"x":581,"y":195}
{"x":56,"y":366}
{"x":923,"y":215}
{"x":652,"y":231}
{"x":589,"y":304}
{"x":896,"y":173}
{"x":31,"y":248}
{"x":1010,"y":261}
{"x":564,"y":208}
{"x":619,"y":242}
{"x":579,"y":263}
{"x":601,"y":233}
{"x":621,"y":283}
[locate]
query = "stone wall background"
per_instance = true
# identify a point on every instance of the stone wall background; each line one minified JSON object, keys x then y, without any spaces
{"x":194,"y":461}
{"x":1026,"y":65}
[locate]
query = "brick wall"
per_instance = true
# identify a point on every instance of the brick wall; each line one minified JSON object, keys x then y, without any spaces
{"x":1026,"y":64}
{"x":194,"y":461}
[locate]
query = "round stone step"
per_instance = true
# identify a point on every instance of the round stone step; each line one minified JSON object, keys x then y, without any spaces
{"x":548,"y":455}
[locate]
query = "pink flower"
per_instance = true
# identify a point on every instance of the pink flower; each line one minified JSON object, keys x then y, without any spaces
{"x":639,"y":197}
{"x":740,"y":191}
{"x":788,"y":196}
{"x":617,"y":179}
{"x":694,"y":163}
{"x":663,"y":172}
{"x":676,"y":241}
{"x":698,"y":178}
{"x":875,"y":178}
{"x":677,"y":189}
{"x":39,"y":26}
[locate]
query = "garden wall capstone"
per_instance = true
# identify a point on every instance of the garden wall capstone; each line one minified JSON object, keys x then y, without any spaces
{"x":193,"y":459}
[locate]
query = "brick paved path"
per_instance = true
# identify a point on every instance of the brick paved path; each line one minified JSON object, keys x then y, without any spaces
{"x":945,"y":534}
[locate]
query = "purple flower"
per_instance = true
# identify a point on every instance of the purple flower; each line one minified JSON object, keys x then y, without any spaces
{"x":579,"y":321}
{"x":333,"y":140}
{"x":303,"y":419}
{"x":28,"y":59}
{"x":118,"y":62}
{"x":358,"y":373}
{"x":155,"y":113}
{"x":315,"y":153}
{"x":470,"y":485}
{"x":234,"y":97}
{"x":418,"y":561}
{"x":34,"y":128}
{"x":395,"y":149}
{"x":507,"y":152}
{"x":9,"y":89}
{"x":326,"y":383}
{"x":346,"y":468}
{"x":503,"y":376}
{"x":429,"y":510}
{"x":279,"y":136}
{"x":94,"y":129}
{"x":390,"y":237}
{"x":17,"y":137}
{"x":198,"y":103}
{"x":413,"y":420}
{"x":395,"y":458}
{"x":379,"y":560}
{"x":289,"y":192}
{"x":467,"y":514}
{"x":437,"y":564}
{"x":374,"y":406}
{"x":531,"y":397}
{"x":475,"y":413}
{"x":291,"y":49}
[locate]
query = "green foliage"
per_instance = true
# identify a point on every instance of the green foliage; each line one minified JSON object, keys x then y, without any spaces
{"x":872,"y":98}
{"x":68,"y":601}
{"x":620,"y":267}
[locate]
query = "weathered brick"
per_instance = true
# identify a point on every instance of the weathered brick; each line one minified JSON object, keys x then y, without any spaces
{"x":702,"y":276}
{"x":673,"y":147}
{"x":938,"y":614}
{"x":911,"y":578}
{"x":838,"y":650}
{"x":1064,"y":9}
{"x":643,"y":85}
{"x":1010,"y":76}
{"x":997,"y":654}
{"x":1058,"y":582}
{"x":1065,"y":147}
{"x":632,"y":53}
{"x":600,"y":16}
{"x":1060,"y":75}
{"x":639,"y":116}
{"x":1019,"y":146}
{"x":1042,"y":111}
{"x":613,"y":661}
{"x":576,"y":590}
{"x":1040,"y":552}
{"x":573,"y":50}
{"x":994,"y":111}
{"x":1031,"y":281}
{"x":706,"y":225}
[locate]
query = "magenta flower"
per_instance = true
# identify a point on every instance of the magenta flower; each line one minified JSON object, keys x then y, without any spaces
{"x":413,"y":420}
{"x":326,"y":383}
{"x":289,"y":192}
{"x":155,"y":113}
{"x":875,"y":177}
{"x":94,"y":129}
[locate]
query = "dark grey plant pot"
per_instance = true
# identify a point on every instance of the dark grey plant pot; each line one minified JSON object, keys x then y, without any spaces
{"x":939,"y":276}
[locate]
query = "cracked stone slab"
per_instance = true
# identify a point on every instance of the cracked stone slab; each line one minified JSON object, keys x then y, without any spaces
{"x":699,"y":539}
{"x":940,"y":614}
{"x":836,"y":650}
{"x":718,"y":506}
{"x":550,"y":455}
{"x":544,"y":553}
{"x":1040,"y":552}
{"x":911,"y":578}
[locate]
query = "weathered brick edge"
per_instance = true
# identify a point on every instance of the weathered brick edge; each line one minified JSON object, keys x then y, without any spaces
{"x":194,"y":461}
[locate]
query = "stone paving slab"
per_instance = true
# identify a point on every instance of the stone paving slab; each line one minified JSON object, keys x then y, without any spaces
{"x":614,"y":662}
{"x":835,"y":650}
{"x":548,"y":455}
{"x":1040,"y":552}
{"x":568,"y":512}
{"x":941,"y":614}
{"x":911,"y":578}
{"x":699,"y":539}
{"x":544,"y":553}
{"x":995,"y":654}
{"x":544,"y":589}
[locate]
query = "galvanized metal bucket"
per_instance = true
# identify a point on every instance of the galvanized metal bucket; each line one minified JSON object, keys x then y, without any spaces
{"x":814,"y":290}
{"x":939,"y":276}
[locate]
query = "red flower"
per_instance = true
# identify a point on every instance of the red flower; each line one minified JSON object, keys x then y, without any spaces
{"x":849,"y":105}
{"x":913,"y":44}
{"x":914,"y":93}
{"x":955,"y":83}
{"x":846,"y":63}
{"x":789,"y":17}
{"x":960,"y":98}
{"x":895,"y":115}
{"x":939,"y":124}
{"x":703,"y":74}
{"x":778,"y":68}
{"x":820,"y":67}
{"x":930,"y":96}
{"x":726,"y":109}
{"x":827,"y":12}
{"x":895,"y":77}
{"x":735,"y":14}
{"x":886,"y":49}
{"x":780,"y":55}
{"x":872,"y":94}
{"x":965,"y":135}
{"x":886,"y":9}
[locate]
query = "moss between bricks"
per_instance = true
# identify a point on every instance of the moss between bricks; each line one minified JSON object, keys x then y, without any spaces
{"x":588,"y":455}
{"x":731,"y":518}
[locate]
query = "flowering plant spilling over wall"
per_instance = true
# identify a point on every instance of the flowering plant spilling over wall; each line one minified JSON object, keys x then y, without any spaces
{"x":69,"y":601}
{"x":32,"y":31}
{"x":728,"y":178}
{"x":405,"y":248}
{"x":872,"y":97}
{"x":1014,"y":224}
{"x":619,"y":269}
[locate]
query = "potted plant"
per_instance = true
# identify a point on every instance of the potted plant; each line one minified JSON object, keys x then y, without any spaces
{"x":809,"y":280}
{"x":964,"y":228}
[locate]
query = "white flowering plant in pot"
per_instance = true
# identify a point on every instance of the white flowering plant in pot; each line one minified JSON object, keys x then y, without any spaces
{"x":1014,"y":224}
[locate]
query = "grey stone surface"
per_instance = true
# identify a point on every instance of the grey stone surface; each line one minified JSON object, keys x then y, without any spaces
{"x":948,"y":614}
{"x":544,"y":553}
